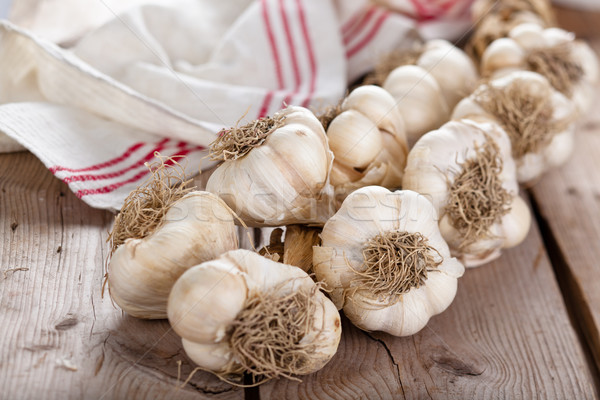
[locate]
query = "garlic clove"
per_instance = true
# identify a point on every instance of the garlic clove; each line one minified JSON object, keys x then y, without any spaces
{"x":453,"y":70}
{"x":560,"y":148}
{"x":426,"y":179}
{"x":589,"y":61}
{"x":528,"y":36}
{"x":532,"y":165}
{"x":584,"y":92}
{"x":377,"y":104}
{"x":440,"y":288}
{"x":390,"y":170}
{"x":502,"y":53}
{"x":478,"y":253}
{"x":342,"y":174}
{"x":416,"y":312}
{"x":212,"y":356}
{"x":516,"y":223}
{"x":468,"y":108}
{"x":553,"y":36}
{"x":419,"y":100}
{"x":354,"y":139}
{"x":334,"y":285}
{"x":201,"y":293}
{"x":326,"y":324}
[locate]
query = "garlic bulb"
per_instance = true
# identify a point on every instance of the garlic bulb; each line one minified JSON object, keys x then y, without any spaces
{"x":465,"y":168}
{"x":246,"y":313}
{"x":275,"y":171}
{"x":367,"y":140}
{"x":385,"y":262}
{"x":537,"y":118}
{"x":425,"y":95}
{"x":196,"y":228}
{"x":570,"y":65}
{"x":493,"y":19}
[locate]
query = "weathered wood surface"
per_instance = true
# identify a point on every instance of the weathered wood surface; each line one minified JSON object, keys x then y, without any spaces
{"x":59,"y":339}
{"x":506,"y":335}
{"x":569,"y":202}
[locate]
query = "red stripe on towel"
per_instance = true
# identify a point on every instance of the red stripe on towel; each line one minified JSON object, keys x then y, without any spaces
{"x":372,"y":33}
{"x":274,"y":50}
{"x":351,"y":23}
{"x":311,"y":55}
{"x":292,"y":50}
{"x":102,"y":165}
{"x":360,"y":25}
{"x":135,"y":178}
{"x":139,"y":163}
{"x":264,"y":108}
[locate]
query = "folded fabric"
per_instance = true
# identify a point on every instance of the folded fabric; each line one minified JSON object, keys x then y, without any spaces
{"x":167,"y":76}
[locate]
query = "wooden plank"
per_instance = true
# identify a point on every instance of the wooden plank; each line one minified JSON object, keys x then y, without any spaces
{"x":60,"y":339}
{"x":569,"y":201}
{"x":507,"y":335}
{"x":583,"y":23}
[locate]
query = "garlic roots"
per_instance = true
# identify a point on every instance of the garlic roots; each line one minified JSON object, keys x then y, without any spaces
{"x":246,"y":313}
{"x":275,"y":171}
{"x":538,"y":119}
{"x":466,"y":169}
{"x":385,"y":262}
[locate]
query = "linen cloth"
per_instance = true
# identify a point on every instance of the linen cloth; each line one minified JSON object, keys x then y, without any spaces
{"x":167,"y":76}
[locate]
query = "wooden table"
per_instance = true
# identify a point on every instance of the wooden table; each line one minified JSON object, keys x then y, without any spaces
{"x":526,"y":325}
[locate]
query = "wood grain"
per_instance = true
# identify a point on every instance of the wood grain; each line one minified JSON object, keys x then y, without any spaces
{"x":569,"y":201}
{"x":60,"y":339}
{"x":507,"y":335}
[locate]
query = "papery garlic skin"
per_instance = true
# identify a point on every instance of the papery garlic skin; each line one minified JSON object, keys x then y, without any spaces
{"x":509,"y":54}
{"x":283,"y":181}
{"x":531,"y":165}
{"x":197,"y":228}
{"x":453,"y":70}
{"x":364,"y":214}
{"x":207,"y":298}
{"x":368,"y":142}
{"x":419,"y":99}
{"x":438,"y":157}
{"x":426,"y":92}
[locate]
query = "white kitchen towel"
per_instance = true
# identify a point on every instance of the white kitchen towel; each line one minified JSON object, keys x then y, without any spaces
{"x":167,"y":76}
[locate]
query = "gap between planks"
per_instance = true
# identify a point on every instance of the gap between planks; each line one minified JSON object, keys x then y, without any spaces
{"x":577,"y":309}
